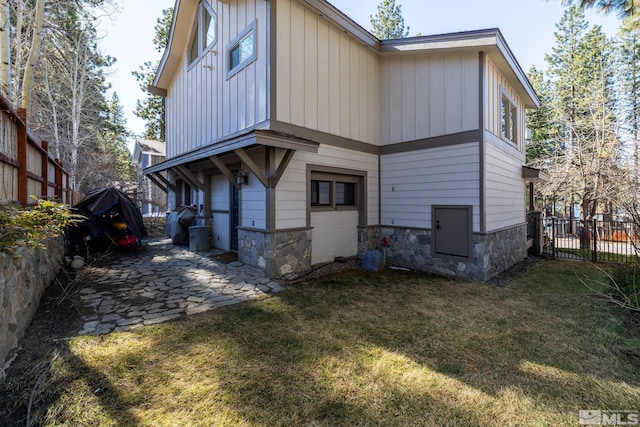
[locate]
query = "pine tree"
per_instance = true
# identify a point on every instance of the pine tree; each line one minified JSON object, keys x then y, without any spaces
{"x":585,"y":162}
{"x":544,"y":133}
{"x":628,"y":10}
{"x":598,"y":150}
{"x":69,"y":104}
{"x":388,"y":23}
{"x":564,"y":71}
{"x":114,"y":135}
{"x":629,"y":72}
{"x":151,"y":109}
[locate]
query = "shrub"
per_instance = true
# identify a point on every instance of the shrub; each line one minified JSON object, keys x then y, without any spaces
{"x":29,"y":227}
{"x":627,"y":279}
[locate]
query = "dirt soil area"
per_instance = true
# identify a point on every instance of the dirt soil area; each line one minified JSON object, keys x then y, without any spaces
{"x":58,"y":318}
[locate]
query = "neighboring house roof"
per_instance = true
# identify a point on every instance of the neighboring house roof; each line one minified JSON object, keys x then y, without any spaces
{"x":148,"y":146}
{"x":489,"y":41}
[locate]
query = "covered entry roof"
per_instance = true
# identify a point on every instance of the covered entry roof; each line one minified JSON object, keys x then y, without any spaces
{"x":265,"y":138}
{"x":235,"y":146}
{"x":534,"y":175}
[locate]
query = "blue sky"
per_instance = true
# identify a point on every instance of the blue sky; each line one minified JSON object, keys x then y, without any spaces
{"x":528,"y":26}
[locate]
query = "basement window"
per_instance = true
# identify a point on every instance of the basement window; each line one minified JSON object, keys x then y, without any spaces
{"x":242,"y":50}
{"x":509,"y":119}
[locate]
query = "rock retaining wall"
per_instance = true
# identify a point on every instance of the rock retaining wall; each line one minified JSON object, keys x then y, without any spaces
{"x":24,"y":276}
{"x":156,"y":226}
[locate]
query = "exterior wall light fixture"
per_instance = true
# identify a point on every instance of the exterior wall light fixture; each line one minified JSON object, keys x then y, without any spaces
{"x":242,"y":177}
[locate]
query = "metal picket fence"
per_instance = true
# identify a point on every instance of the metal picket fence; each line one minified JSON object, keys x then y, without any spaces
{"x":594,"y":240}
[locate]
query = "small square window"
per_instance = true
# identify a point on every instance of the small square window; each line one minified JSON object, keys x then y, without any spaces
{"x":242,"y":50}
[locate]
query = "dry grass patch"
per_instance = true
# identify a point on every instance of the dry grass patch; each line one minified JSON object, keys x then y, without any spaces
{"x":363,"y":349}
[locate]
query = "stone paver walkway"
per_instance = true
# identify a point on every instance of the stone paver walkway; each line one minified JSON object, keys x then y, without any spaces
{"x":163,"y":282}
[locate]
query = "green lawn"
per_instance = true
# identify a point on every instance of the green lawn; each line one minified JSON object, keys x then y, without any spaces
{"x":363,"y":349}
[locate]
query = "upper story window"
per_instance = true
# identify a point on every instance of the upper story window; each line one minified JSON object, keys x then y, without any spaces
{"x":204,"y":32}
{"x":242,"y":50}
{"x":509,"y":119}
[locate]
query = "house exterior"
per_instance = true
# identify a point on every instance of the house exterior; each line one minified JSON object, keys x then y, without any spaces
{"x":152,"y":193}
{"x":303,"y":137}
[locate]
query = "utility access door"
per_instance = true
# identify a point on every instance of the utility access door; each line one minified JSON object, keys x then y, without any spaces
{"x":451,"y":228}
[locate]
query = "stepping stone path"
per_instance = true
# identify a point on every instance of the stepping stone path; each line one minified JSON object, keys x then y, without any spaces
{"x":164,"y":282}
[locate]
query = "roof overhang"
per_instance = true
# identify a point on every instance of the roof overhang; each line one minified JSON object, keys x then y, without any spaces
{"x":253,"y":138}
{"x":534,"y":175}
{"x":183,"y":15}
{"x":490,"y":41}
{"x":326,"y":9}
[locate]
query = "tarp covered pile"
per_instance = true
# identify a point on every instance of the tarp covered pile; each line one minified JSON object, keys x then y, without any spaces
{"x":179,"y":222}
{"x":111,"y":218}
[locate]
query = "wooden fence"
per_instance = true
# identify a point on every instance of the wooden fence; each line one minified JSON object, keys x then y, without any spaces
{"x":26,"y":165}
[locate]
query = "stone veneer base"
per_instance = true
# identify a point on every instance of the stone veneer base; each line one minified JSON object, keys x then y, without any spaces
{"x":493,"y":252}
{"x":278,"y":253}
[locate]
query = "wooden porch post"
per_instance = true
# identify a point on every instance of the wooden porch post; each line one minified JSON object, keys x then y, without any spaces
{"x":531,"y":201}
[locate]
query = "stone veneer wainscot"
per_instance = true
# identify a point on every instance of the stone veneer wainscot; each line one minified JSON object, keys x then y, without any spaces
{"x":278,"y":253}
{"x":493,"y":252}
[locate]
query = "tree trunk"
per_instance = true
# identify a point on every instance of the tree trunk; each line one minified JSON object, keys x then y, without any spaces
{"x":54,"y":117}
{"x":79,"y":81}
{"x":34,"y":52}
{"x":5,"y":49}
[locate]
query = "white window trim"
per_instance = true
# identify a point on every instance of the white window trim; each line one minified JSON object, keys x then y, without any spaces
{"x":251,"y":29}
{"x":198,"y":32}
